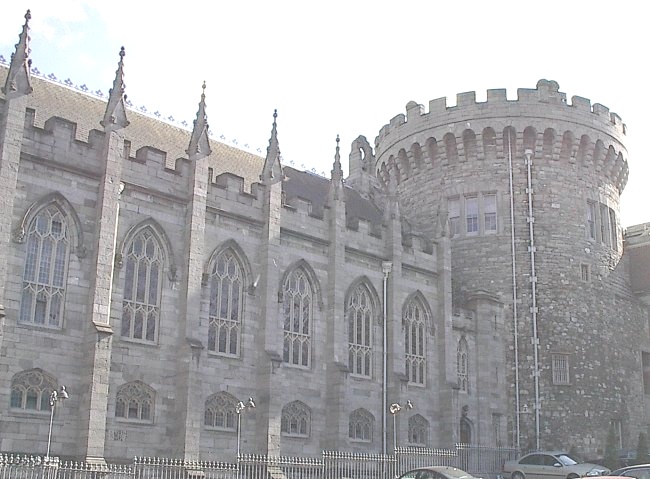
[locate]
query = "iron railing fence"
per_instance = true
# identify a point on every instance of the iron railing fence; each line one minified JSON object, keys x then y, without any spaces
{"x":480,"y":461}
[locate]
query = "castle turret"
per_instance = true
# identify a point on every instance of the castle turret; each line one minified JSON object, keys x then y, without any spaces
{"x":532,"y":189}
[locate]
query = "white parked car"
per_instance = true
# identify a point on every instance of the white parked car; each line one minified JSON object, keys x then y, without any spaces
{"x":550,"y":465}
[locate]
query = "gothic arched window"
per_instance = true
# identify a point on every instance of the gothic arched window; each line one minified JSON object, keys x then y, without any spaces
{"x":361,"y":425}
{"x":360,"y":312}
{"x":135,"y":402}
{"x":297,"y":311}
{"x":226,"y":302}
{"x":296,"y":419}
{"x":418,"y":431}
{"x":142,"y":287}
{"x":30,"y":390}
{"x":462,"y":365}
{"x":220,"y":412}
{"x":414,"y":321}
{"x":46,"y":268}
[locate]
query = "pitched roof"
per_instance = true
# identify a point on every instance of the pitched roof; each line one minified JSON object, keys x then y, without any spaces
{"x":53,"y":99}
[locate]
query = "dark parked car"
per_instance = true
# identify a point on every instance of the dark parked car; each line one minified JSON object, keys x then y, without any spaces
{"x":550,"y":465}
{"x":436,"y":472}
{"x":641,"y":471}
{"x":627,"y":457}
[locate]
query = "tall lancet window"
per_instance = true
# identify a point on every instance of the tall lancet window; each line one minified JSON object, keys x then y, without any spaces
{"x":297,"y":310}
{"x":142,"y":287}
{"x":415,"y":342}
{"x":462,"y":365}
{"x":226,"y":298}
{"x":46,"y":269}
{"x":360,"y":313}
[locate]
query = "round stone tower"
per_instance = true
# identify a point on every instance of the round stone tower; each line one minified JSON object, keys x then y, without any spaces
{"x":531,"y":191}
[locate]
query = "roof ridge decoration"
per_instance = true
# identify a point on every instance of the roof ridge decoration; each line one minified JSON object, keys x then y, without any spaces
{"x":272,"y":172}
{"x":18,"y":81}
{"x":199,"y":146}
{"x":115,"y":116}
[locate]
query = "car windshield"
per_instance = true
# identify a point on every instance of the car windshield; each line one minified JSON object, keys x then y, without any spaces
{"x":457,"y":473}
{"x":566,"y":460}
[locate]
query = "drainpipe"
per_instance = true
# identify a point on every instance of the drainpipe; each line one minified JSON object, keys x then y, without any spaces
{"x":514,"y":296}
{"x":533,"y":285}
{"x":386,"y":267}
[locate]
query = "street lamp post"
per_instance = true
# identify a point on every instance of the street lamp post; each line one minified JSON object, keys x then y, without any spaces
{"x":239,"y":409}
{"x":55,"y":397}
{"x":394,"y":409}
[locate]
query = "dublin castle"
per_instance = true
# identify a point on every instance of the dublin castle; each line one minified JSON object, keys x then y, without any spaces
{"x":471,"y":264}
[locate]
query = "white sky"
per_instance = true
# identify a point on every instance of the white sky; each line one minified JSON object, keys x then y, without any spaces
{"x":344,"y":67}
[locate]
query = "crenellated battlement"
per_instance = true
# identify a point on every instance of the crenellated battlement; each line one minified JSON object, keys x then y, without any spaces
{"x":545,"y":97}
{"x":485,"y":133}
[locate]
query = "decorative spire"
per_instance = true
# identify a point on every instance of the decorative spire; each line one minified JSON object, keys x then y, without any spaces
{"x":115,"y":115}
{"x":337,"y":172}
{"x":272,"y":171}
{"x":199,"y":142}
{"x":19,"y":80}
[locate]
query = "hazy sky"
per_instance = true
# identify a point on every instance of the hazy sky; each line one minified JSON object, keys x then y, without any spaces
{"x":344,"y":67}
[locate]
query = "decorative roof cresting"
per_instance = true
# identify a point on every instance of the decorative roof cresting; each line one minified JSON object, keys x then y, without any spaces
{"x":18,"y":81}
{"x":115,"y":115}
{"x":199,"y":146}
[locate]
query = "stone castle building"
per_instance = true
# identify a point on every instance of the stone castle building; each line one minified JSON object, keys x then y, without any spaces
{"x":472,"y":264}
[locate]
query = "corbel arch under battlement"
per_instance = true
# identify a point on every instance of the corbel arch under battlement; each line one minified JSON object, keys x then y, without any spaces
{"x":160,"y":235}
{"x":365,"y":282}
{"x":64,"y":206}
{"x":417,"y":298}
{"x":232,"y":246}
{"x":311,"y":277}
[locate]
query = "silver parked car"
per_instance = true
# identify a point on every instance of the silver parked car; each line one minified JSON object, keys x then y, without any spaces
{"x":550,"y":465}
{"x":437,"y":472}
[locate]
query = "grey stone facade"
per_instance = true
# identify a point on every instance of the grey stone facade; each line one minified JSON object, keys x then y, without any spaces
{"x":163,"y":277}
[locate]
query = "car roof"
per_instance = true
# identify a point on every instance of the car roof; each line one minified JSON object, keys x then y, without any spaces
{"x":554,"y":453}
{"x":450,"y":470}
{"x":632,"y":467}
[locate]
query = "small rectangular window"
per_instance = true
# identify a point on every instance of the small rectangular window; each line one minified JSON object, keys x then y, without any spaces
{"x":471,"y":214}
{"x":453,"y":205}
{"x":645,"y":361}
{"x":613,"y":230}
{"x":560,"y":368}
{"x":604,"y":225}
{"x":584,"y":272}
{"x":591,"y":220}
{"x":490,"y":212}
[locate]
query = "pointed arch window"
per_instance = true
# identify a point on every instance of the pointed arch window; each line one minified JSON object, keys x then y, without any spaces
{"x":296,"y":420}
{"x":142,"y":288}
{"x":220,"y":412}
{"x":30,"y":390}
{"x":414,"y":321}
{"x":46,"y":269}
{"x":297,"y":309}
{"x":135,"y":402}
{"x":418,"y":434}
{"x":361,"y":425}
{"x":360,"y":312}
{"x":226,"y":302}
{"x":462,"y":365}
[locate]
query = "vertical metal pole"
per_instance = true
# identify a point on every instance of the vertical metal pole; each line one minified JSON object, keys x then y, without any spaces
{"x":386,"y":267}
{"x":49,"y":434}
{"x":238,"y":433}
{"x":395,"y":433}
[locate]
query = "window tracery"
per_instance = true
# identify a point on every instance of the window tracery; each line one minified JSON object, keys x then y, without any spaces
{"x":226,"y":302}
{"x":142,"y":288}
{"x":46,"y":269}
